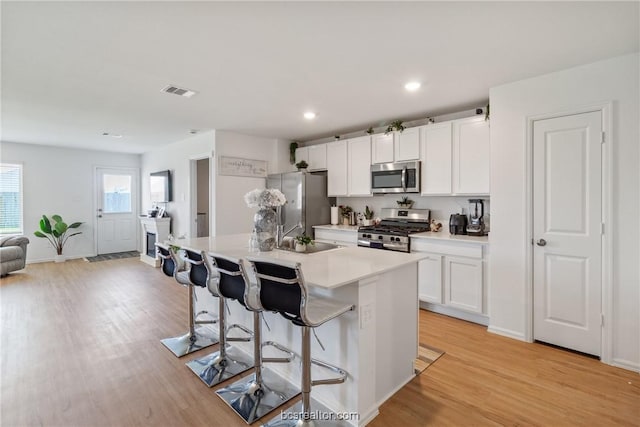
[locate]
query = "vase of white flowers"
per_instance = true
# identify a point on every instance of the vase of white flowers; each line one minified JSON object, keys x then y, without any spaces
{"x":266,"y":219}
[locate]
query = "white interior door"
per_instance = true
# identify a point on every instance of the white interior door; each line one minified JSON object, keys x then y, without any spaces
{"x":117,"y":201}
{"x":567,"y":227}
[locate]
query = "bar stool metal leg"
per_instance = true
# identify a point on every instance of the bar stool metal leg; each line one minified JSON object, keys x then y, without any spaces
{"x":261,"y":392}
{"x":196,"y":338}
{"x":224,"y":363}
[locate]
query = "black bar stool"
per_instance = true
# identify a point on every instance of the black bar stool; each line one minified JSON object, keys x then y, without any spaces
{"x":282,"y":289}
{"x":228,"y":361}
{"x":196,"y":338}
{"x":261,"y":392}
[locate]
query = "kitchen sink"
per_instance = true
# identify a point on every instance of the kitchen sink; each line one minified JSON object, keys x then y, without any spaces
{"x":312,"y":249}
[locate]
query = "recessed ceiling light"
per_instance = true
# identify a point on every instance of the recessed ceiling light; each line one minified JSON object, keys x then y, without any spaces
{"x":412,"y":86}
{"x":309,"y":115}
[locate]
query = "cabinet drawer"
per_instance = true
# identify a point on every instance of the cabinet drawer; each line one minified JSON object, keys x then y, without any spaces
{"x":335,"y":236}
{"x":470,"y":250}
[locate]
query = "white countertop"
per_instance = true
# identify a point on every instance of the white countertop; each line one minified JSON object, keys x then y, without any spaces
{"x":328,"y":269}
{"x":352,"y":228}
{"x":445,"y":236}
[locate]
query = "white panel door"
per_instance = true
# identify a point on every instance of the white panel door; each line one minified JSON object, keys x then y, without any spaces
{"x":436,"y":159}
{"x":567,"y":203}
{"x":407,"y":146}
{"x":337,"y":168}
{"x":360,"y":166}
{"x":430,"y":279}
{"x":117,"y":205}
{"x":302,"y":153}
{"x":471,"y":156}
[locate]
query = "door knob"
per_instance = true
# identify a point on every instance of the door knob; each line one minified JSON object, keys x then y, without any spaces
{"x":541,"y":242}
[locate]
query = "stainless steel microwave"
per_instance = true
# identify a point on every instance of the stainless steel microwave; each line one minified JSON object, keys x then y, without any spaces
{"x":395,"y":177}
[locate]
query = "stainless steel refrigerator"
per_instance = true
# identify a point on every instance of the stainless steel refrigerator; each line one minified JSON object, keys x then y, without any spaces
{"x":307,"y":200}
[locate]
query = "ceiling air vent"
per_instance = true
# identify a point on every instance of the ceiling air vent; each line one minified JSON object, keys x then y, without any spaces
{"x":179,"y":91}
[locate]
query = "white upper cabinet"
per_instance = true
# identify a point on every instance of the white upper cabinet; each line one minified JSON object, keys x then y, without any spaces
{"x":396,"y":146}
{"x":407,"y":145}
{"x":382,"y":148}
{"x":436,"y":159}
{"x":302,"y":153}
{"x":360,"y":166}
{"x":337,"y":171}
{"x":317,"y":157}
{"x":471,"y":156}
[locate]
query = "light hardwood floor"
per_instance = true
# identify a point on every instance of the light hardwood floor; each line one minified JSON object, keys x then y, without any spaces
{"x":80,"y":347}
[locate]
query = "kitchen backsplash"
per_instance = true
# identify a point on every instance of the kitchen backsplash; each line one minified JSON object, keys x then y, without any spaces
{"x":441,"y":206}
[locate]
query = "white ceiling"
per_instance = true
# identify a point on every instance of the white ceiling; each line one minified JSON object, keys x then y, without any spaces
{"x":72,"y":70}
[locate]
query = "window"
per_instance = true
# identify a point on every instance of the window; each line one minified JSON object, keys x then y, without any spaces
{"x":10,"y":199}
{"x":117,"y":193}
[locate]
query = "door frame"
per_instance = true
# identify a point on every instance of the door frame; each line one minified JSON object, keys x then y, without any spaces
{"x":136,"y":209}
{"x":606,"y":111}
{"x":193,"y":192}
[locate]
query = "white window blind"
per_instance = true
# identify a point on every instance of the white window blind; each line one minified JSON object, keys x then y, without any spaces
{"x":10,"y":199}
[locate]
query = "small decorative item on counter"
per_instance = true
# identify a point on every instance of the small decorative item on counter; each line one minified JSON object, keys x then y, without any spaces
{"x":345,"y":213}
{"x":302,"y":165}
{"x":435,"y":226}
{"x":302,"y":241}
{"x":405,"y":203}
{"x":334,"y":215}
{"x":266,"y":219}
{"x":369,"y":131}
{"x":368,"y":216}
{"x":253,"y":242}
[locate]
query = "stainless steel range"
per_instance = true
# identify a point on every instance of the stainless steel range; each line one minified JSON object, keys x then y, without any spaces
{"x":393,"y":231}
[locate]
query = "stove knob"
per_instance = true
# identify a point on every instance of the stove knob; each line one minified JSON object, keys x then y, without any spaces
{"x":380,"y":237}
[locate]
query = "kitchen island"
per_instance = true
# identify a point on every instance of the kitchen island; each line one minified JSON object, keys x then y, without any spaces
{"x":376,"y":343}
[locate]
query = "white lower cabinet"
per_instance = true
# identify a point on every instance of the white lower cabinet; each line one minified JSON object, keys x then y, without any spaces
{"x":463,"y":283}
{"x":430,"y":279}
{"x":452,"y":279}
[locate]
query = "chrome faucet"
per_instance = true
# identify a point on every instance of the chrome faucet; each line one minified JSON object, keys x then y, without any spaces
{"x":280,"y":233}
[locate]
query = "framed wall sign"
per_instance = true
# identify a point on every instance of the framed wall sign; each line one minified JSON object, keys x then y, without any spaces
{"x":236,"y":166}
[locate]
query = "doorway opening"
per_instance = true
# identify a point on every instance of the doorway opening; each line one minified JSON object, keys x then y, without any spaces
{"x":200,"y":197}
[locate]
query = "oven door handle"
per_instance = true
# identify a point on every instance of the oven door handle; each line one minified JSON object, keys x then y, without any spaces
{"x":404,"y":179}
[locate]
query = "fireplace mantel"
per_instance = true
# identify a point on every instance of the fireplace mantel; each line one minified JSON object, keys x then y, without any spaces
{"x":158,"y":226}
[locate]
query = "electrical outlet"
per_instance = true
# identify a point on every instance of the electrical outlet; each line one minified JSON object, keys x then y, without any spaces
{"x":366,"y":315}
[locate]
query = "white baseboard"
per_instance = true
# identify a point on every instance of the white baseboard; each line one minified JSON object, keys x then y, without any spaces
{"x":626,"y":364}
{"x":366,"y":419}
{"x":478,"y":318}
{"x":39,"y":260}
{"x":506,"y":333}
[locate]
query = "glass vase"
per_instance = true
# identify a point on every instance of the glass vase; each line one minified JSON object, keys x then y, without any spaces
{"x":265,"y":223}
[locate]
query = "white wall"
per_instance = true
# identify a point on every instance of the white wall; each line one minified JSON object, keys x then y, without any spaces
{"x":61,"y":181}
{"x":232,"y":215}
{"x":613,"y":80}
{"x":176,"y":157}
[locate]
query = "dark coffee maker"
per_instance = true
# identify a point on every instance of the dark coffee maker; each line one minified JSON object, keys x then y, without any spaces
{"x":458,"y":224}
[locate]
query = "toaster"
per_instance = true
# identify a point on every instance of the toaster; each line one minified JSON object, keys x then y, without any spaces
{"x":458,"y":224}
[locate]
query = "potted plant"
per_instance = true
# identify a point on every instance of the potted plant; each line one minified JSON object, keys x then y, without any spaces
{"x":292,"y":152}
{"x":302,"y":241}
{"x":345,"y":213}
{"x":56,"y":234}
{"x":395,"y":125}
{"x":405,"y":202}
{"x":368,"y":216}
{"x":302,"y":165}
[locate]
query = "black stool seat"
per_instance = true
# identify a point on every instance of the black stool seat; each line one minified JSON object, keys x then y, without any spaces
{"x":199,"y":336}
{"x":282,"y":289}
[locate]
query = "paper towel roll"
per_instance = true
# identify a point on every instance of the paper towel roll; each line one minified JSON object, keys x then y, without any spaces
{"x":334,"y":215}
